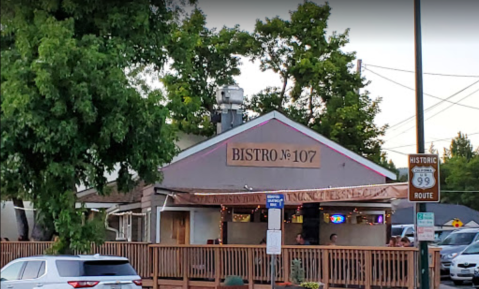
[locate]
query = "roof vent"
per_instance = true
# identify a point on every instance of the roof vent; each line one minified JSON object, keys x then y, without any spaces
{"x":230,"y":99}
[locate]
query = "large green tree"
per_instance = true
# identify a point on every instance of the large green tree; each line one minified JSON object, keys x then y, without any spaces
{"x":319,"y":88}
{"x":73,"y":106}
{"x":201,"y":60}
{"x":460,"y":173}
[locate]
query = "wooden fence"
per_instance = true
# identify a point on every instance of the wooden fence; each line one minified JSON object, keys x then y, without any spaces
{"x":137,"y":253}
{"x":207,"y":266}
{"x":195,"y":266}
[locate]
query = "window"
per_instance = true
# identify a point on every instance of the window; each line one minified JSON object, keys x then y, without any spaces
{"x":397,"y":231}
{"x":12,"y":272}
{"x":410,"y":232}
{"x":459,"y":239}
{"x":472,"y":250}
{"x":32,"y":270}
{"x":67,"y":268}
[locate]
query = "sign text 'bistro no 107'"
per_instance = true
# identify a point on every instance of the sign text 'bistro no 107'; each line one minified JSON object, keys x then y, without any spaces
{"x":273,"y":155}
{"x":424,"y":178}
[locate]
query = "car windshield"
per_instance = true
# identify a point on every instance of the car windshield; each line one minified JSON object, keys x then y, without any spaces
{"x":472,"y":250}
{"x":73,"y":268}
{"x":458,"y":239}
{"x":397,"y":231}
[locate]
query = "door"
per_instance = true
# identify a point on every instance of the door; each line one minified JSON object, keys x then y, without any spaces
{"x":10,"y":275}
{"x":33,"y":275}
{"x":182,"y":228}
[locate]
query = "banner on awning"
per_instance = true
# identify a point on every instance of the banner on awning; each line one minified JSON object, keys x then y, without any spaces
{"x":292,"y":197}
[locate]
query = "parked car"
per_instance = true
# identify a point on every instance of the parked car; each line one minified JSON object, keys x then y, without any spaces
{"x":454,"y":244}
{"x":463,"y":266}
{"x":403,"y":231}
{"x":67,"y":272}
{"x":441,"y":234}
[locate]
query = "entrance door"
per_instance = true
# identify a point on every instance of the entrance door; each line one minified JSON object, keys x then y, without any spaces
{"x":182,"y":228}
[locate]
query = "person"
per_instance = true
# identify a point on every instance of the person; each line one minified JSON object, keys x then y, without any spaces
{"x":5,"y":239}
{"x":300,"y":240}
{"x":405,"y":242}
{"x":263,"y":241}
{"x":392,"y":242}
{"x":333,"y":239}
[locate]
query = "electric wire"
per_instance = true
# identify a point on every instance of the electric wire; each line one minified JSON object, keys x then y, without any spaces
{"x":428,"y":73}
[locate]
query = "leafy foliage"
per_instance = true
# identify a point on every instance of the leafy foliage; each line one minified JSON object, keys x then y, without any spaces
{"x":69,"y":110}
{"x":460,"y":172}
{"x":202,"y":59}
{"x":318,"y":88}
{"x":297,"y":272}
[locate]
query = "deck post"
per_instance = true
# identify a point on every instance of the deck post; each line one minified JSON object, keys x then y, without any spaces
{"x":250,"y":268}
{"x":185,"y":266}
{"x":155,"y":266}
{"x":410,"y":268}
{"x":368,"y":270}
{"x":217,"y":267}
{"x":325,"y":266}
{"x":286,"y":264}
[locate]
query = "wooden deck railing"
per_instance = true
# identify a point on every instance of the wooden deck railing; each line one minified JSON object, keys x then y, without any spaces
{"x":333,"y":266}
{"x":137,"y":253}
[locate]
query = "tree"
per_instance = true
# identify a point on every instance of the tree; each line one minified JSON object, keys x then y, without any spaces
{"x":70,"y":111}
{"x":202,"y":59}
{"x":460,"y":173}
{"x":318,"y":88}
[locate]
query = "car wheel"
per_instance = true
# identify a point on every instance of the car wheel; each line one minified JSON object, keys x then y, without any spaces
{"x":458,"y":282}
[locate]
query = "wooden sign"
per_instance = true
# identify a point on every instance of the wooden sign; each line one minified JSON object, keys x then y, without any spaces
{"x":273,"y":155}
{"x":424,"y":178}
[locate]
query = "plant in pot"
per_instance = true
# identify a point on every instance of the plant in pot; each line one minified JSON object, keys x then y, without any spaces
{"x":296,"y":276}
{"x":233,"y":282}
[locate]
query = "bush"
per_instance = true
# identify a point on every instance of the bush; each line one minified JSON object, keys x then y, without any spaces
{"x":234,"y":281}
{"x":297,"y":272}
{"x":310,"y":285}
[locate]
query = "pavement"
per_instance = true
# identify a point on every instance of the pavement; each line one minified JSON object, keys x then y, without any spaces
{"x":448,"y":284}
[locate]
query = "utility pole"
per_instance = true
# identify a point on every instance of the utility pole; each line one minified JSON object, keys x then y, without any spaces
{"x":420,"y":207}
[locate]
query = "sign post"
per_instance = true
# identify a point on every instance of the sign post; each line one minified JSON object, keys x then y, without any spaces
{"x":425,"y":227}
{"x":274,"y":204}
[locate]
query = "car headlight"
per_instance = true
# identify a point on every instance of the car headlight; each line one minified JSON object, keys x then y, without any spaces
{"x":453,"y":264}
{"x":452,"y":256}
{"x":476,"y":270}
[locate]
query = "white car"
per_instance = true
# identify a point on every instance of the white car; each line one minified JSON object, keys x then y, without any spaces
{"x":67,"y":272}
{"x":463,"y":266}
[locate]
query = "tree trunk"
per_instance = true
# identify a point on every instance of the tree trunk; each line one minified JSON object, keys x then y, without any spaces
{"x":41,"y":231}
{"x":21,"y":217}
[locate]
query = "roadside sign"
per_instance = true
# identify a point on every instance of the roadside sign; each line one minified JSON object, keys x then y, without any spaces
{"x":424,"y":178}
{"x":273,"y":242}
{"x":457,"y":223}
{"x":275,"y":201}
{"x":274,"y":219}
{"x":425,"y":227}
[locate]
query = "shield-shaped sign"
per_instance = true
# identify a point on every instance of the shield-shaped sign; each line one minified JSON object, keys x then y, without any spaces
{"x":423,"y":177}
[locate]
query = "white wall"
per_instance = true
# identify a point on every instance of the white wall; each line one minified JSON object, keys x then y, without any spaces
{"x":205,"y":226}
{"x":9,"y":221}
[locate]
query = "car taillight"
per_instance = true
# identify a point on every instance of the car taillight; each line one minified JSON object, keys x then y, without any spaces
{"x":137,"y":282}
{"x":83,"y":284}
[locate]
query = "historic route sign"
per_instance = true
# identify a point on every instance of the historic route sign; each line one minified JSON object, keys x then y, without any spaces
{"x":424,"y":178}
{"x":273,"y":155}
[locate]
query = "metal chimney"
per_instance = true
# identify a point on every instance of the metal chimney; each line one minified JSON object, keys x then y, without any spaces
{"x":230,"y":99}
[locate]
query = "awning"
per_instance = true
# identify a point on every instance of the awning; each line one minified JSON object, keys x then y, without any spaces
{"x":293,"y":197}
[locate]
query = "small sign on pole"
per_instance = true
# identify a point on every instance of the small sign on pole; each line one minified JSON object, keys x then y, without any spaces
{"x":275,"y":201}
{"x":425,"y":226}
{"x":424,"y":178}
{"x":273,"y":242}
{"x":274,"y":219}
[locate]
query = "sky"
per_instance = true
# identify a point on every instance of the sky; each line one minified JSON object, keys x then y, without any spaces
{"x":382,"y":34}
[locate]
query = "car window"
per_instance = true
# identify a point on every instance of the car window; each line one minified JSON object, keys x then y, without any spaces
{"x":458,"y":239}
{"x":396,"y":231}
{"x":73,"y":268}
{"x":32,"y":270}
{"x":410,"y":232}
{"x":12,"y":272}
{"x":472,"y":250}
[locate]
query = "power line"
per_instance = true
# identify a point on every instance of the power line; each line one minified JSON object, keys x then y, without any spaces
{"x":459,"y":191}
{"x":428,"y":73}
{"x":412,"y":89}
{"x":432,"y":115}
{"x":438,"y":140}
{"x":436,"y":104}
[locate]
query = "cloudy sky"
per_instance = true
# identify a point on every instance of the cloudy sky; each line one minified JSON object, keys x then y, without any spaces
{"x":382,"y":34}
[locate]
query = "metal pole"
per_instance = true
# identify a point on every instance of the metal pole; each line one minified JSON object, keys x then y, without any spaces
{"x":421,"y":207}
{"x":273,"y":265}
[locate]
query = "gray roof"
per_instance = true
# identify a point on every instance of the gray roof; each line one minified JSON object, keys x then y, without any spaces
{"x":443,"y":213}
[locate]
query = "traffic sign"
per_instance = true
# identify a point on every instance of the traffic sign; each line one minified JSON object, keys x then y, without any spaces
{"x":424,"y":178}
{"x":275,"y":201}
{"x":425,"y":227}
{"x":274,"y":219}
{"x":457,"y":223}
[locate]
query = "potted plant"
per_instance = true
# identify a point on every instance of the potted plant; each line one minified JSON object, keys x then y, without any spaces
{"x":233,"y":282}
{"x":296,"y":276}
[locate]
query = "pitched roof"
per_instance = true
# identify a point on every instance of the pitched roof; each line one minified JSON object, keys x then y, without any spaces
{"x":91,"y":196}
{"x":299,"y":127}
{"x":443,"y":213}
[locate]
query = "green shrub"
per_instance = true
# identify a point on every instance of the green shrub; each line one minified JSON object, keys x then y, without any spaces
{"x":234,"y":281}
{"x":310,"y":285}
{"x":297,"y":272}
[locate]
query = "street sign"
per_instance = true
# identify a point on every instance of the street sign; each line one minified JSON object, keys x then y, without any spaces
{"x":273,"y":242}
{"x":274,"y":219}
{"x":424,"y":178}
{"x":425,"y":227}
{"x":275,"y":201}
{"x":457,"y":223}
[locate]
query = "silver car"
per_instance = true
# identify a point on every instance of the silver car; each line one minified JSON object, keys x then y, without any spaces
{"x":67,"y":272}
